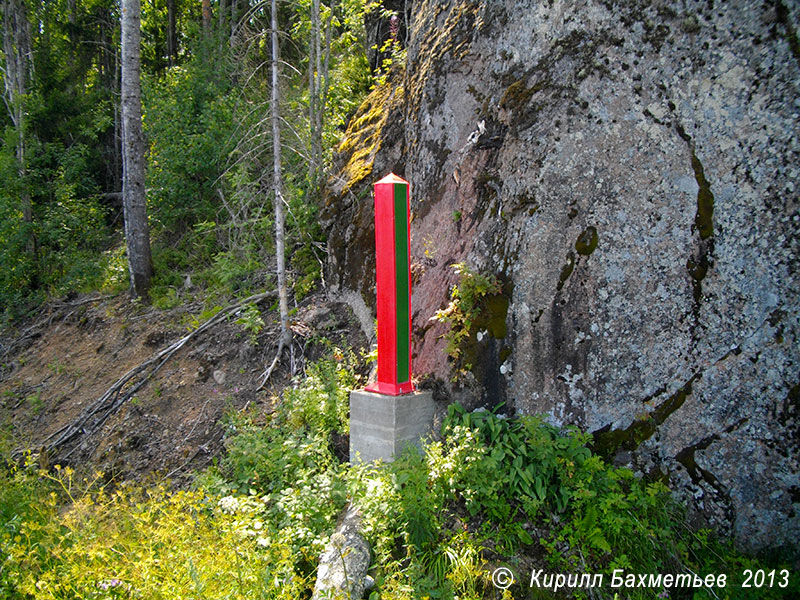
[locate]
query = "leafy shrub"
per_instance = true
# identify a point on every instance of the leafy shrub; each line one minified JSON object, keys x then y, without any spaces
{"x":188,"y":121}
{"x":252,"y":527}
{"x":433,"y":517}
{"x":250,"y":320}
{"x":467,"y":308}
{"x":59,"y":249}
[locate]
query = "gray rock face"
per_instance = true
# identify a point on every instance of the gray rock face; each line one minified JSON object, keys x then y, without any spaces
{"x":630,"y":171}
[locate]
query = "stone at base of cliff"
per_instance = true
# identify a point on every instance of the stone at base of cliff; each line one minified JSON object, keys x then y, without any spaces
{"x":381,"y":425}
{"x":342,"y":571}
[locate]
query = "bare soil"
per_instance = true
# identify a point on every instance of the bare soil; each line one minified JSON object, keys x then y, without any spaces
{"x":54,"y":366}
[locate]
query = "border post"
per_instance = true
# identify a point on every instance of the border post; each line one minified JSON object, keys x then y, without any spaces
{"x":390,"y":414}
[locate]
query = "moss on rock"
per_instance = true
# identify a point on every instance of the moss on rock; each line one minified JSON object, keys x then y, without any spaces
{"x":587,"y":241}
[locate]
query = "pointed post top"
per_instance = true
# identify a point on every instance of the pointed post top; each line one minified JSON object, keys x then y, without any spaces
{"x":391,"y":178}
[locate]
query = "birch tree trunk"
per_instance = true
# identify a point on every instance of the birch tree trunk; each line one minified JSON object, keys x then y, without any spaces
{"x":18,"y":71}
{"x":314,"y":95}
{"x":137,"y":232}
{"x":318,"y":83}
{"x":234,"y":22}
{"x":326,"y":71}
{"x":277,"y":185}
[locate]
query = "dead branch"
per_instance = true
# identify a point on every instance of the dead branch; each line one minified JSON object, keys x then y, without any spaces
{"x":95,"y":415}
{"x":85,"y":301}
{"x":48,"y":314}
{"x":266,"y":374}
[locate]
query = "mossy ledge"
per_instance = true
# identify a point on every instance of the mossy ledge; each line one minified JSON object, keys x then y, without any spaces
{"x":566,"y":270}
{"x":587,"y":241}
{"x":607,"y":442}
{"x":362,"y":139}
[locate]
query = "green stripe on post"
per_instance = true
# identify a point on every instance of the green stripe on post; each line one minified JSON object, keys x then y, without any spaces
{"x":403,"y":319}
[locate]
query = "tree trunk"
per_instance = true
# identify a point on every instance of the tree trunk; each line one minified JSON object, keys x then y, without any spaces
{"x":234,"y":22}
{"x":313,"y":94}
{"x":277,"y":184}
{"x":222,"y":10}
{"x":318,"y":90}
{"x":18,"y":71}
{"x":326,"y":70}
{"x":172,"y":34}
{"x":137,"y":233}
{"x":206,"y":4}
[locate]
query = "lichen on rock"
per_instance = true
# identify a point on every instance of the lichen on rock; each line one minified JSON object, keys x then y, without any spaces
{"x":627,"y":166}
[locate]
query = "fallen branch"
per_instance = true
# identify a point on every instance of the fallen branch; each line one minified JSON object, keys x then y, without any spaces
{"x":48,"y":314}
{"x":85,"y":301}
{"x":95,"y":415}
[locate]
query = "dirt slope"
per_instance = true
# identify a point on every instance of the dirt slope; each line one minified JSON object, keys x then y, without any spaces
{"x":53,"y":367}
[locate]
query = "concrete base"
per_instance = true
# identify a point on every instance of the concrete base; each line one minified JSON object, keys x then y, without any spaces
{"x":381,"y":426}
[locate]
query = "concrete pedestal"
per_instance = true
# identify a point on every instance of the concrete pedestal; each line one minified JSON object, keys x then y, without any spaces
{"x":381,"y":425}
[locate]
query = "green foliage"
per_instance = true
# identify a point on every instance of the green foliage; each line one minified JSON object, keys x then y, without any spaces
{"x":137,"y":543}
{"x":297,"y":440}
{"x":194,"y":321}
{"x":68,"y":135}
{"x":432,"y":518}
{"x":188,"y":122}
{"x":467,"y":306}
{"x":251,"y":321}
{"x":164,"y":297}
{"x":59,"y":250}
{"x":503,"y":469}
{"x":253,"y":527}
{"x":209,"y":152}
{"x":24,"y":515}
{"x":438,"y":519}
{"x":394,"y":55}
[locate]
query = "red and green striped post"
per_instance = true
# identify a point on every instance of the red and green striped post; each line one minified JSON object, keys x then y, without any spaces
{"x":393,"y":268}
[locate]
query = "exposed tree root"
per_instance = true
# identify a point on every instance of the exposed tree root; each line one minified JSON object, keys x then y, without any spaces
{"x":266,"y":374}
{"x":95,"y":415}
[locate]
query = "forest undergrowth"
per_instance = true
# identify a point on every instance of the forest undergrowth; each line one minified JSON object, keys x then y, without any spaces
{"x":488,"y":492}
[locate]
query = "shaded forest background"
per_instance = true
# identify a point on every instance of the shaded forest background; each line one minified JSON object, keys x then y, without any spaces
{"x":205,"y":74}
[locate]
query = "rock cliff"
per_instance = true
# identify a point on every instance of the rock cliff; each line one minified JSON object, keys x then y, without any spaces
{"x":629,"y":170}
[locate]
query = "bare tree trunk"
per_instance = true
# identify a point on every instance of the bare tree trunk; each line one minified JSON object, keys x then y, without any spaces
{"x":18,"y":71}
{"x":117,"y":87}
{"x":317,"y":153}
{"x":172,"y":34}
{"x":137,"y":232}
{"x":277,"y":184}
{"x":221,"y":23}
{"x":206,"y":4}
{"x":326,"y":70}
{"x":313,"y":94}
{"x":234,"y":22}
{"x":318,"y":83}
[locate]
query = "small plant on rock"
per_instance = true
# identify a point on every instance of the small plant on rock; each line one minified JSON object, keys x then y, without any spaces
{"x":466,"y":310}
